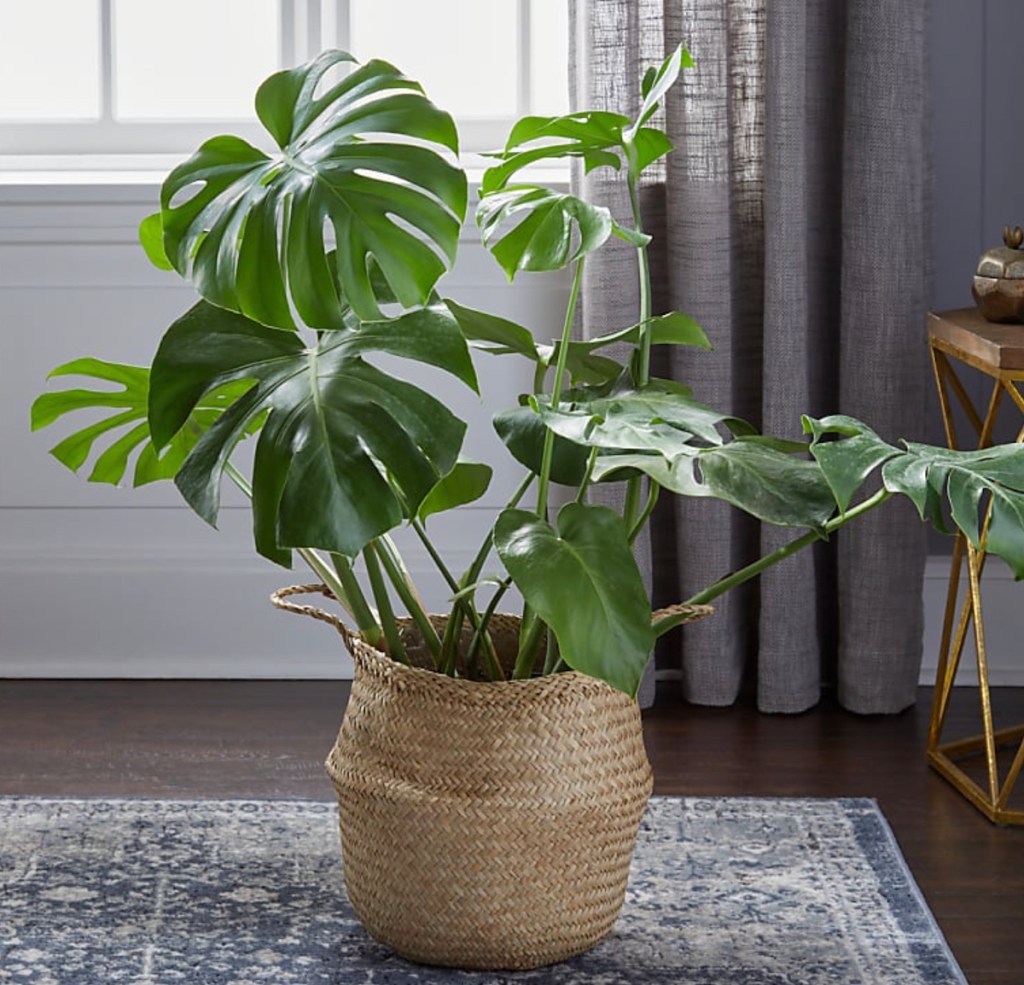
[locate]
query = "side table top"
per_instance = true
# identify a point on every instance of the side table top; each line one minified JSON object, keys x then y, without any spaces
{"x":988,"y":346}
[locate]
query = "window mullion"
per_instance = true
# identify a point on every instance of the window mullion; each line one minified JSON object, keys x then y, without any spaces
{"x":314,"y":44}
{"x":524,"y":94}
{"x":107,"y":66}
{"x":289,"y":51}
{"x":339,"y":33}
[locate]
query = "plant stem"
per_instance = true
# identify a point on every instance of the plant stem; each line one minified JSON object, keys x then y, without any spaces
{"x":464,"y":606}
{"x":380,"y":594}
{"x":632,"y":503}
{"x":644,"y":271}
{"x":591,"y":461}
{"x":531,"y":626}
{"x":527,"y":655}
{"x":556,"y":391}
{"x":388,"y":556}
{"x":482,"y":638}
{"x":365,"y":618}
{"x":762,"y":564}
{"x":472,"y":574}
{"x":653,"y":490}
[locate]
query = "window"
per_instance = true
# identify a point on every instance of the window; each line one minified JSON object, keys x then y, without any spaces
{"x":143,"y":77}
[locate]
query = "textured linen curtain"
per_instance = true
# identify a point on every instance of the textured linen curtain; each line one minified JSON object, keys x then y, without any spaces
{"x":791,"y":221}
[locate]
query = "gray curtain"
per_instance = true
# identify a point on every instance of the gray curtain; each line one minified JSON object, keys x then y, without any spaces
{"x":791,"y":221}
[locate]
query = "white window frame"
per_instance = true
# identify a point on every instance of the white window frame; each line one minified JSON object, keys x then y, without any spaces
{"x":307,"y":27}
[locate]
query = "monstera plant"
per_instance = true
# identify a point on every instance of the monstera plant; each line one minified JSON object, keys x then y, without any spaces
{"x":310,"y":260}
{"x":484,"y":823}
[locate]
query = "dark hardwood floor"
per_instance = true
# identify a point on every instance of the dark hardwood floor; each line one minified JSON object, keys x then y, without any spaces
{"x":268,"y":739}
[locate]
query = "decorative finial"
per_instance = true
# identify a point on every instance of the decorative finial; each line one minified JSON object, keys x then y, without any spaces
{"x":1013,"y":237}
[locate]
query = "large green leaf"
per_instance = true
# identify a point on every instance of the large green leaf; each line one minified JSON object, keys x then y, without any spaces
{"x":594,"y":137}
{"x":674,"y":474}
{"x":522,"y":431}
{"x":346,"y":451}
{"x":757,"y":475}
{"x":770,"y":484}
{"x":598,"y":139}
{"x":499,"y":336}
{"x":466,"y":483}
{"x":127,"y":426}
{"x":493,"y":333}
{"x":582,"y":581}
{"x":661,"y":417}
{"x":548,"y":229}
{"x":974,"y":481}
{"x":656,"y":83}
{"x":988,"y":481}
{"x":364,"y":158}
{"x":849,"y":462}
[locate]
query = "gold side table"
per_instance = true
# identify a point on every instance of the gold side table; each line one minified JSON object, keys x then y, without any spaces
{"x":963,"y":336}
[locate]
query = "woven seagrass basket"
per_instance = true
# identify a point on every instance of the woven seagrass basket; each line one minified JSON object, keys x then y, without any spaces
{"x":485,"y":825}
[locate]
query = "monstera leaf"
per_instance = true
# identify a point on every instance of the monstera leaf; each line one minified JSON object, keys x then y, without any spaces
{"x":766,"y":478}
{"x":499,"y":336}
{"x":660,"y":416}
{"x":522,"y":432}
{"x":127,"y":425}
{"x":548,"y":229}
{"x":346,"y":450}
{"x":987,"y":482}
{"x":598,"y":139}
{"x":365,"y":159}
{"x":581,"y":579}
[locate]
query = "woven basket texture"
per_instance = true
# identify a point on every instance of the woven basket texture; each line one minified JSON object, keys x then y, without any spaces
{"x":487,"y":825}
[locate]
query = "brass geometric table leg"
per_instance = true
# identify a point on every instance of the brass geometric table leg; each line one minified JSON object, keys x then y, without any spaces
{"x":993,"y":799}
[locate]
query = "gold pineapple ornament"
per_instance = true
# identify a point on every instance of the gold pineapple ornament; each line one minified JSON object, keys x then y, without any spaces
{"x":998,"y":287}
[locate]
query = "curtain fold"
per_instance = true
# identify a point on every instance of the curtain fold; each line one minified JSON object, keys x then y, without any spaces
{"x":791,"y":221}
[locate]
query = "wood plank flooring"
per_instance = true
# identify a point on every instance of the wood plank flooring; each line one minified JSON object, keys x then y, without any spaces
{"x":268,"y":739}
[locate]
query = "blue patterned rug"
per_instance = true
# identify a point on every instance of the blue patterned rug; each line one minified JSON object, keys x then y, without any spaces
{"x":722,"y":892}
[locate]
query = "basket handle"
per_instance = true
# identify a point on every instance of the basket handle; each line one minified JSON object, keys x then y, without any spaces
{"x":688,"y":613}
{"x":278,"y":600}
{"x":685,"y":611}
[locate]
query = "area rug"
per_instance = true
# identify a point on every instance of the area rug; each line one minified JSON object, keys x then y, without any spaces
{"x":722,"y":892}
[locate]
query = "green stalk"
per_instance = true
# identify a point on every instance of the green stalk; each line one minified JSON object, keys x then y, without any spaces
{"x":452,"y":638}
{"x":556,"y":391}
{"x":551,"y":656}
{"x":380,"y":594}
{"x":365,"y":618}
{"x":762,"y":564}
{"x":653,"y":490}
{"x":463,"y":606}
{"x":529,"y":637}
{"x":644,"y":271}
{"x":591,"y":462}
{"x":481,"y":638}
{"x":631,"y":507}
{"x":386,"y":554}
{"x":531,"y":625}
{"x":472,"y":574}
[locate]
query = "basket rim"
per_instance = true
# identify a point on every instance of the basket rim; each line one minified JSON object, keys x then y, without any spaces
{"x":563,"y":680}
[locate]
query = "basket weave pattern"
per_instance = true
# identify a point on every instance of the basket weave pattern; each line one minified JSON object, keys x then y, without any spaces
{"x":486,"y":825}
